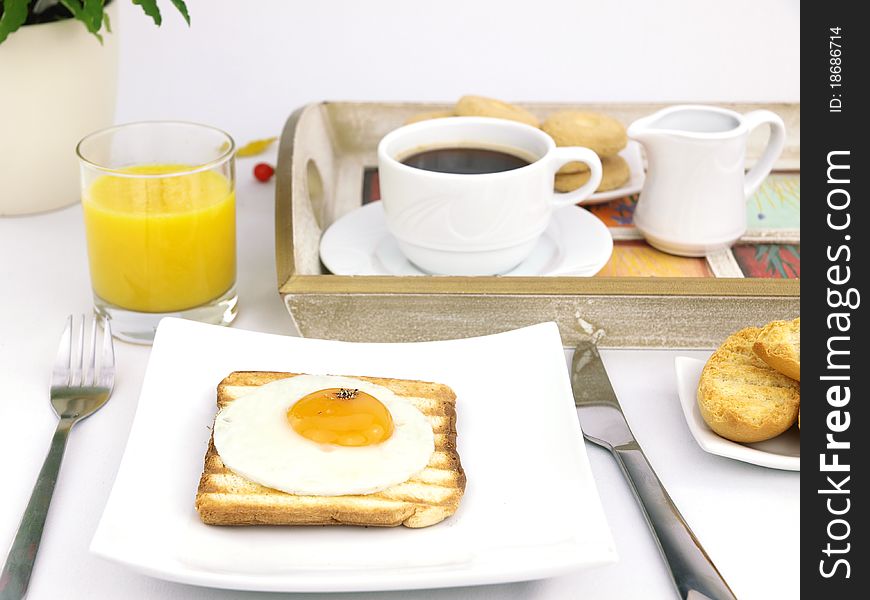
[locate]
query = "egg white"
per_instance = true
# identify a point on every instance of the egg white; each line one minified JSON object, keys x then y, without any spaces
{"x":254,"y":439}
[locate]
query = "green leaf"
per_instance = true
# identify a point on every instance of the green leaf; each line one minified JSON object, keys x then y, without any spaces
{"x":151,"y":9}
{"x":182,"y":8}
{"x":86,"y":14}
{"x":93,"y":13}
{"x":74,"y":6}
{"x":13,"y":17}
{"x":107,"y":22}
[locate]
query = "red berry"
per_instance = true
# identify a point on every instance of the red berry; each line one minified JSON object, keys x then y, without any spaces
{"x":263,"y":172}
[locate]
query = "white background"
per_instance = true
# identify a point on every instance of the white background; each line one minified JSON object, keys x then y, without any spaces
{"x":244,"y":66}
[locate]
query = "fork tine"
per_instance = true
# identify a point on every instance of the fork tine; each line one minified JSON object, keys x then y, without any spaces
{"x":107,"y":358}
{"x":89,"y":374}
{"x":61,"y":371}
{"x":82,"y":349}
{"x":77,"y":361}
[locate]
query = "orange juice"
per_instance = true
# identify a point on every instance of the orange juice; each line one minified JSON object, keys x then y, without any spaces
{"x":160,"y":244}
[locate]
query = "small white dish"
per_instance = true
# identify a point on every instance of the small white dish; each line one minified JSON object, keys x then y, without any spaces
{"x":782,"y":452}
{"x":510,"y":386}
{"x":575,"y":243}
{"x":633,"y":156}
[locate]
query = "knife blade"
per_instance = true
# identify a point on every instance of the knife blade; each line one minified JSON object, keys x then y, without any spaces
{"x":603,"y":423}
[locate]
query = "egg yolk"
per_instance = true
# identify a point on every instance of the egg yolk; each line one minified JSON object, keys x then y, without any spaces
{"x":341,"y":416}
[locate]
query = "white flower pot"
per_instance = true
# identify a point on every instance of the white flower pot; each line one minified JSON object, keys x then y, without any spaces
{"x":58,"y":84}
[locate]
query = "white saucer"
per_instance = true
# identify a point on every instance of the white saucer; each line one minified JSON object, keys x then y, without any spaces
{"x":576,"y":243}
{"x":782,"y":452}
{"x":632,"y":155}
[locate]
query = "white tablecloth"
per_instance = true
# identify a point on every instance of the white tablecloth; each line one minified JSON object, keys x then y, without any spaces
{"x":747,"y":517}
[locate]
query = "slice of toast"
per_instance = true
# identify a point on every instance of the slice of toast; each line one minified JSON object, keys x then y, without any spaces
{"x":779,"y":345}
{"x":742,"y":398}
{"x":428,"y":497}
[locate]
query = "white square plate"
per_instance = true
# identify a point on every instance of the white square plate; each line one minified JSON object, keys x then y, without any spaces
{"x":781,"y":452}
{"x":531,"y":508}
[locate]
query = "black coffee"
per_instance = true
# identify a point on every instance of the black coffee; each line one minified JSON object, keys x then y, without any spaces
{"x":466,"y":161}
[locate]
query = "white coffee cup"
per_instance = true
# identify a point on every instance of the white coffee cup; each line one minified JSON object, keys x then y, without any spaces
{"x":474,"y":224}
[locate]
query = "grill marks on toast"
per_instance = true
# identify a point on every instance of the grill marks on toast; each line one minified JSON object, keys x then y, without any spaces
{"x":225,"y":498}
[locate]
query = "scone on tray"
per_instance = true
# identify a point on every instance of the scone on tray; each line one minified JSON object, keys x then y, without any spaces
{"x":428,"y":116}
{"x":601,"y":133}
{"x":614,"y":173}
{"x":480,"y":106}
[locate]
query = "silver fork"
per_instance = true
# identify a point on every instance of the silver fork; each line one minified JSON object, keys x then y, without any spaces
{"x":78,"y":390}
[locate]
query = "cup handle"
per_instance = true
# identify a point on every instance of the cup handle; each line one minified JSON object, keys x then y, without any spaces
{"x":559,"y":157}
{"x":771,"y":153}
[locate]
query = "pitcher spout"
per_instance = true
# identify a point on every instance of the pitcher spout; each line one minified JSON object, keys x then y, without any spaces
{"x":687,"y":121}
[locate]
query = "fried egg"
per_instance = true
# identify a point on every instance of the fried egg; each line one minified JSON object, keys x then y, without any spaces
{"x":323,"y":435}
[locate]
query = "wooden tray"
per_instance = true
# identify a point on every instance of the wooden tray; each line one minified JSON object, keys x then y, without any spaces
{"x":324,"y":152}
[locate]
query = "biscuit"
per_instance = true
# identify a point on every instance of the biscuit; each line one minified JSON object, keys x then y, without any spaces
{"x":602,"y":134}
{"x":779,"y":345}
{"x":478,"y":106}
{"x":573,"y":167}
{"x":614,"y":174}
{"x":743,"y":399}
{"x":432,"y":114}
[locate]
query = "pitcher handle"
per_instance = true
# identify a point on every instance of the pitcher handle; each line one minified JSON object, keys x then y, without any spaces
{"x":559,"y":157}
{"x":775,"y":144}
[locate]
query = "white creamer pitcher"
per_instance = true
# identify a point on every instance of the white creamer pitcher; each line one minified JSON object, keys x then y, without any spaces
{"x":693,"y":200}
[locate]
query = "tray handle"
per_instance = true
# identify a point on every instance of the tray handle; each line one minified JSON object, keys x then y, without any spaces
{"x":301,"y":194}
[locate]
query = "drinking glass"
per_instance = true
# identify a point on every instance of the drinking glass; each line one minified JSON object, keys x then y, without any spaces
{"x":158,"y":200}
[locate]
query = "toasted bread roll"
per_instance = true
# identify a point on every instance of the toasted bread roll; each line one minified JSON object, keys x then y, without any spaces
{"x":743,"y":399}
{"x":779,"y":345}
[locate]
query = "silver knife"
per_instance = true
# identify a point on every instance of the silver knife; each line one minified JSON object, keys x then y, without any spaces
{"x":603,"y":423}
